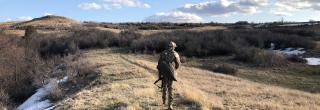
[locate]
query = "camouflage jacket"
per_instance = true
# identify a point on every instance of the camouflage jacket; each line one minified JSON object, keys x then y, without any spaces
{"x":168,"y":62}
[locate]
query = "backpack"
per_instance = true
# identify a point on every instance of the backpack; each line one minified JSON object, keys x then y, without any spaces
{"x":166,"y":65}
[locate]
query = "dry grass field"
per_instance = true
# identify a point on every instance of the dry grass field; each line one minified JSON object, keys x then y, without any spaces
{"x":126,"y":59}
{"x":127,"y":83}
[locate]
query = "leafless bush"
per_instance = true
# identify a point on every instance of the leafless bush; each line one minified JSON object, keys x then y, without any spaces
{"x":297,"y":59}
{"x":29,"y":31}
{"x":226,"y":69}
{"x":19,"y":66}
{"x":260,"y":57}
{"x":210,"y":43}
{"x":57,"y":46}
{"x":55,"y":94}
{"x":4,"y":100}
{"x":80,"y":74}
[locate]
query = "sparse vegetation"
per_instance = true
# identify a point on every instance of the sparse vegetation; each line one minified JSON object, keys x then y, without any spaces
{"x":226,"y":69}
{"x":238,"y":50}
{"x":260,"y":57}
{"x":21,"y":71}
{"x":297,"y":59}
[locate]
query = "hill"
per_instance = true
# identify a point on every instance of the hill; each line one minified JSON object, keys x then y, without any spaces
{"x":45,"y":22}
{"x":127,"y":83}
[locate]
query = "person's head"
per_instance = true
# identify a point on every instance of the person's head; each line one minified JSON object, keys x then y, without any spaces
{"x":172,"y":45}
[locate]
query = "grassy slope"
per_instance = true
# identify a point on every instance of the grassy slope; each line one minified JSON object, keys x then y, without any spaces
{"x":50,"y":20}
{"x":127,"y":82}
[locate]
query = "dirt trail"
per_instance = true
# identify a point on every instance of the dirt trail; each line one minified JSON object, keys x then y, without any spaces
{"x":127,"y":83}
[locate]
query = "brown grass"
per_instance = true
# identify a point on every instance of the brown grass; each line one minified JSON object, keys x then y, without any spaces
{"x":195,"y":89}
{"x":51,"y":21}
{"x":19,"y":33}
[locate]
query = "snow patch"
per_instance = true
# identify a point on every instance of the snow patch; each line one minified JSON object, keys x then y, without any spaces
{"x":295,"y":52}
{"x":291,"y":51}
{"x":36,"y":101}
{"x":313,"y":61}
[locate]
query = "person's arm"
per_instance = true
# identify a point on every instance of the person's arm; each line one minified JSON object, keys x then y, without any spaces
{"x":177,"y":60}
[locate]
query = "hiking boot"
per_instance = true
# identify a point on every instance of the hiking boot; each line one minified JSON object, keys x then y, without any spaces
{"x":170,"y":107}
{"x":163,"y":101}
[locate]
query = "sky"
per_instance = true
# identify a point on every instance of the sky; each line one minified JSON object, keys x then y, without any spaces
{"x":223,"y":11}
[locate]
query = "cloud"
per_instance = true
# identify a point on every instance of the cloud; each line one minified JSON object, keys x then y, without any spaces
{"x":253,"y":2}
{"x":8,"y":19}
{"x":47,"y":14}
{"x":224,"y":7}
{"x":279,"y":13}
{"x":113,"y":4}
{"x":24,"y":18}
{"x":90,"y":6}
{"x":286,"y":7}
{"x":174,"y":16}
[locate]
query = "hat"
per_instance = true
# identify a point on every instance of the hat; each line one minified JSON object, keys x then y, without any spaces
{"x":172,"y":44}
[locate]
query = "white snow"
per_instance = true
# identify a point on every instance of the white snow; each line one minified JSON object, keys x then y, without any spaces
{"x":291,"y":51}
{"x":36,"y":102}
{"x":297,"y":52}
{"x":313,"y":61}
{"x":63,"y":80}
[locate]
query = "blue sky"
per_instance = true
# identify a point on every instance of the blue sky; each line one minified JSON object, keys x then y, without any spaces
{"x":163,"y":10}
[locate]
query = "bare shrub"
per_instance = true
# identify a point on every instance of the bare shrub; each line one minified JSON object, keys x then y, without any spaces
{"x":93,"y":38}
{"x":81,"y":73}
{"x":218,"y":42}
{"x":4,"y":99}
{"x":20,"y":67}
{"x":29,"y":31}
{"x":226,"y":69}
{"x":260,"y":57}
{"x":296,"y":59}
{"x":55,"y":94}
{"x":57,"y":46}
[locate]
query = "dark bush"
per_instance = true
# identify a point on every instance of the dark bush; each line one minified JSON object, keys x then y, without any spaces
{"x":297,"y":59}
{"x":29,"y":31}
{"x":190,"y":43}
{"x":219,"y":42}
{"x":300,"y":32}
{"x":226,"y":69}
{"x":260,"y":57}
{"x":93,"y":38}
{"x":57,"y":46}
{"x":20,"y":68}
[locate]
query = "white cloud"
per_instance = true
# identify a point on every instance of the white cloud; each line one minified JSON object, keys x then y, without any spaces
{"x":90,"y":6}
{"x":113,"y":4}
{"x":146,"y":5}
{"x":47,"y":14}
{"x":279,"y":13}
{"x":287,"y":7}
{"x":224,"y":7}
{"x":24,"y":18}
{"x":8,"y":19}
{"x":174,"y":16}
{"x":254,"y":2}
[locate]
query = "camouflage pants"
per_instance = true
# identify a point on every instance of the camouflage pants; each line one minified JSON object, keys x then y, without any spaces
{"x":167,"y":88}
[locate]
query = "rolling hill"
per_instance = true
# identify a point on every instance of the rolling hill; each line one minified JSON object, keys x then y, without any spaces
{"x":127,"y":83}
